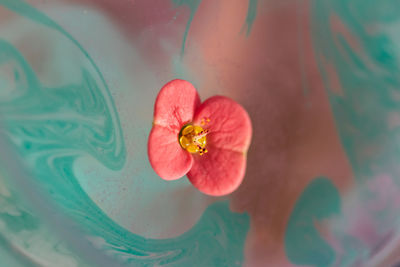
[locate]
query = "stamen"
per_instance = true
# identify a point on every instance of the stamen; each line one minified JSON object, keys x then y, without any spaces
{"x":193,"y":139}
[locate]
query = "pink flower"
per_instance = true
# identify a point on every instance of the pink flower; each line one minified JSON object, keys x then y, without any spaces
{"x":206,"y":141}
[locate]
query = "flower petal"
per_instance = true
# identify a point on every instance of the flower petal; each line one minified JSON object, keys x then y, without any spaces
{"x":175,"y":104}
{"x":229,"y":124}
{"x":166,"y":156}
{"x":219,"y":172}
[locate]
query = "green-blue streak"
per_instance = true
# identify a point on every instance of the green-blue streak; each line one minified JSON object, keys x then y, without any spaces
{"x":369,"y":80}
{"x":251,"y":16}
{"x":52,"y":127}
{"x":303,"y":244}
{"x":193,"y":6}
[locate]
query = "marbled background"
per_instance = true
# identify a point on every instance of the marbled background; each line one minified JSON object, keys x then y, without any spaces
{"x":320,"y":80}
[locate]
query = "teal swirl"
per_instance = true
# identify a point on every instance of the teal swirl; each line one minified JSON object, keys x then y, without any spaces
{"x":303,"y":243}
{"x":368,"y":69}
{"x":193,"y":5}
{"x":363,"y":52}
{"x":52,"y":127}
{"x":369,"y":79}
{"x":251,"y":16}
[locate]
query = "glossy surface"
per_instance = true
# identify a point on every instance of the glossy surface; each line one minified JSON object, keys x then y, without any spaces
{"x":319,"y":79}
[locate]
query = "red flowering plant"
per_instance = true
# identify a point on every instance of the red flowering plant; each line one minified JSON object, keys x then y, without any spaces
{"x":207,"y":141}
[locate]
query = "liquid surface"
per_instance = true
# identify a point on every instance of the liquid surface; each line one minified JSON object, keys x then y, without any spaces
{"x":318,"y":78}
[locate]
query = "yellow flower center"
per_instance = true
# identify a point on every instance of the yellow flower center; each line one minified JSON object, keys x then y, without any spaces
{"x":193,"y":139}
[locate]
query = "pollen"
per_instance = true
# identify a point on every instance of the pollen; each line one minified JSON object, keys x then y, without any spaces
{"x":193,"y":138}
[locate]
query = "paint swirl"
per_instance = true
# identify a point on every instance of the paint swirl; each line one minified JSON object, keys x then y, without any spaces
{"x":52,"y":123}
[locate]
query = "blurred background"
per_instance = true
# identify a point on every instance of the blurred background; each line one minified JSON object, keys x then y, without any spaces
{"x":320,"y":80}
